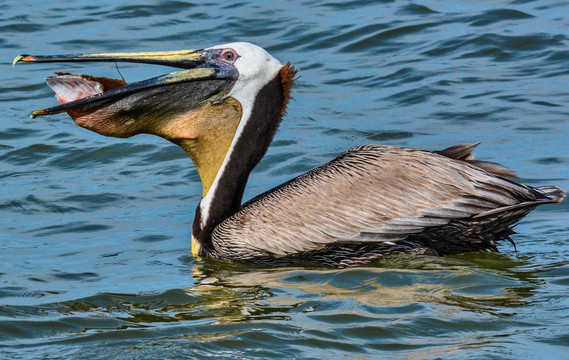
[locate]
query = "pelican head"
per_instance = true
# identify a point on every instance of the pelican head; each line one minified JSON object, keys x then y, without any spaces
{"x":222,"y":107}
{"x":196,"y":107}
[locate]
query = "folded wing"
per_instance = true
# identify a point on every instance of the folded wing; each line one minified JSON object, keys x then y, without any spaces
{"x":372,"y":193}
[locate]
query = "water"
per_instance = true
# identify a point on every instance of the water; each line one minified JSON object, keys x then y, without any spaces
{"x":94,"y":232}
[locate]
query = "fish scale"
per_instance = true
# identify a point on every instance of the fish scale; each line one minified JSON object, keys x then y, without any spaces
{"x":71,"y":87}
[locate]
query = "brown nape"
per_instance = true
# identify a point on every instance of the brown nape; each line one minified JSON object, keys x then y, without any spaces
{"x":256,"y":136}
{"x":287,"y":74}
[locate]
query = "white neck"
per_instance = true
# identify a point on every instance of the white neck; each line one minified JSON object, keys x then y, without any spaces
{"x":256,"y":68}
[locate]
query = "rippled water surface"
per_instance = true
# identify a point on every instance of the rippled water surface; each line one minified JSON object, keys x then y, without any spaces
{"x":95,"y":232}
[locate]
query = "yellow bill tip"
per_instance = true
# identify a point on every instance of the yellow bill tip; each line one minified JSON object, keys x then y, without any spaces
{"x":37,"y":113}
{"x":25,"y":58}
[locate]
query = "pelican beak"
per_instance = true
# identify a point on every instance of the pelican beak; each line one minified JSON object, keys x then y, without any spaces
{"x":113,"y":108}
{"x":186,"y":59}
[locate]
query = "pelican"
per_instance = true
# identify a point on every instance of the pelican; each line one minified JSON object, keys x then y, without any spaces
{"x":223,"y":106}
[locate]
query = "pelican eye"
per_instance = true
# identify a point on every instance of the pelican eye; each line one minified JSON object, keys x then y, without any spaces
{"x":229,"y":55}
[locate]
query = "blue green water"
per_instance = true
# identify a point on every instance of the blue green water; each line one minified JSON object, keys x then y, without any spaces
{"x":95,"y":232}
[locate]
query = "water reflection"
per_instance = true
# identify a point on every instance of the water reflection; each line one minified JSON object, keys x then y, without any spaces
{"x":401,"y":303}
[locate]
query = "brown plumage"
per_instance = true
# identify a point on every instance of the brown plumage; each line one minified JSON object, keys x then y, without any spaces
{"x":374,"y":200}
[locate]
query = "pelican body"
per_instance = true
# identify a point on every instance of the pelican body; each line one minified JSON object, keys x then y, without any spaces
{"x":223,"y":108}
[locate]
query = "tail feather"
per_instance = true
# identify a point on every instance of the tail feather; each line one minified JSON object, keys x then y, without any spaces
{"x":459,"y":152}
{"x":551,"y":194}
{"x":509,"y":239}
{"x":463,"y":152}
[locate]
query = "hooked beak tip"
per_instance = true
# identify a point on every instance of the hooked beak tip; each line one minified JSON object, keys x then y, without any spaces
{"x":37,"y":113}
{"x":25,"y":58}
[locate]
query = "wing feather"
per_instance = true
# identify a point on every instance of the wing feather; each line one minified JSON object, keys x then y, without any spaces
{"x":369,"y":193}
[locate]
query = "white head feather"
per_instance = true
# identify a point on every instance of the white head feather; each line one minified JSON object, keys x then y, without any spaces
{"x":256,"y":68}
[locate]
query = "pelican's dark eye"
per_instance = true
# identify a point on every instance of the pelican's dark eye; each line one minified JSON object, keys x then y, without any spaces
{"x":229,"y":55}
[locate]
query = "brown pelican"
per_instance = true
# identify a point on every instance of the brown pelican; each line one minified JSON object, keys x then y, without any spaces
{"x":223,"y":108}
